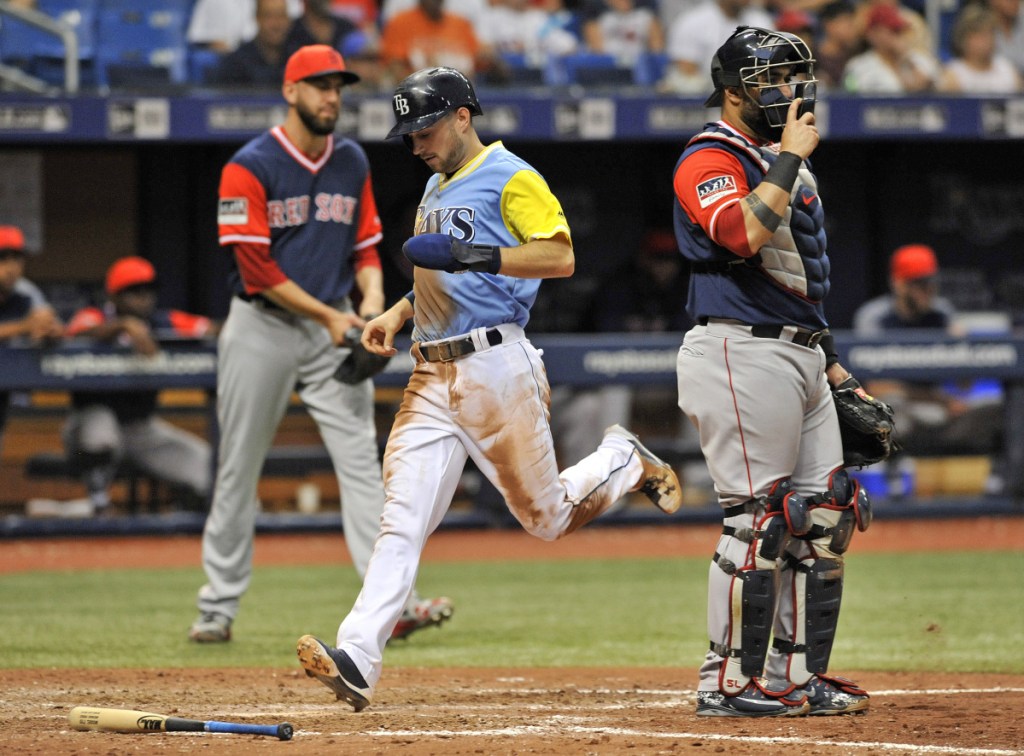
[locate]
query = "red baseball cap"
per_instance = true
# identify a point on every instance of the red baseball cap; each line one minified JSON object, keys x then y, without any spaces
{"x":127,"y":272}
{"x":913,"y":261}
{"x":11,"y":237}
{"x":887,"y":16}
{"x":317,"y":60}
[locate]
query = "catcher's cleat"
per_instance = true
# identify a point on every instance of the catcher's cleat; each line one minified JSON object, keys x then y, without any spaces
{"x":210,"y":628}
{"x":659,"y":483}
{"x":829,"y":695}
{"x":424,"y":613}
{"x":335,"y":669}
{"x":753,"y":701}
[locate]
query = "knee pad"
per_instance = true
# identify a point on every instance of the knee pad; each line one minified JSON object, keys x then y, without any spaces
{"x":793,"y":507}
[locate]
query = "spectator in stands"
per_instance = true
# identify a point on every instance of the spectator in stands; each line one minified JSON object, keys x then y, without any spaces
{"x":258,"y":63}
{"x":223,"y":25}
{"x":626,"y":30}
{"x":318,"y":25}
{"x":977,"y":68}
{"x":890,"y":65}
{"x":1010,"y":34}
{"x":472,"y":10}
{"x":930,"y":418}
{"x":840,"y":38}
{"x":25,"y":316}
{"x":798,"y":22}
{"x":518,"y":27}
{"x":429,"y":35}
{"x":918,"y":34}
{"x":696,"y":35}
{"x":107,"y":428}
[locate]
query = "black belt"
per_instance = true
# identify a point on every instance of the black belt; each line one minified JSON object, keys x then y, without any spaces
{"x":802,"y":336}
{"x":260,"y":301}
{"x":446,"y":351}
{"x":809,"y":339}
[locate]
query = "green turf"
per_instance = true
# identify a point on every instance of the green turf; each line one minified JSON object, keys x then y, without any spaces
{"x":949,"y":612}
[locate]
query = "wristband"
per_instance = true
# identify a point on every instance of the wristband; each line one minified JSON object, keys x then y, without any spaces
{"x":828,"y":346}
{"x":784,"y":171}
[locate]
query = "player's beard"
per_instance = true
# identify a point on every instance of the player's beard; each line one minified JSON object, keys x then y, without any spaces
{"x":755,"y":118}
{"x":319,"y":125}
{"x":456,"y":156}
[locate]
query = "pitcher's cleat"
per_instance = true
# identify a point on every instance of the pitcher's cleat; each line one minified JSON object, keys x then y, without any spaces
{"x":829,"y":696}
{"x":210,"y":627}
{"x":424,"y":613}
{"x":335,"y":669}
{"x":659,"y":483}
{"x":753,"y":701}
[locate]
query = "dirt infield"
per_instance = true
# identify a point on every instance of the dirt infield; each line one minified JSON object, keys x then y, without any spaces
{"x":494,"y":710}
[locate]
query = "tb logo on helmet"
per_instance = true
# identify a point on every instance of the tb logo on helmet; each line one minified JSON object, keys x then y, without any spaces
{"x":401,"y":105}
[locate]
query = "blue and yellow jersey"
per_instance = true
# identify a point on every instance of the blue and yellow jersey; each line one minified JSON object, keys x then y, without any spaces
{"x":496,"y":198}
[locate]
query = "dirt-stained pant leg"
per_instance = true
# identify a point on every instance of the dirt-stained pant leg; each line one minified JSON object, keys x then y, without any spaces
{"x":423,"y":462}
{"x":751,"y":401}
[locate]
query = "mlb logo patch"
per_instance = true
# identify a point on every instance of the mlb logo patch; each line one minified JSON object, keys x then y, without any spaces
{"x":233,"y":211}
{"x":712,"y":190}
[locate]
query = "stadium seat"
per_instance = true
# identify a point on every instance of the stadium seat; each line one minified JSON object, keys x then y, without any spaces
{"x":588,"y":69}
{"x":42,"y":54}
{"x":143,"y":41}
{"x":650,"y":68}
{"x":520,"y":70}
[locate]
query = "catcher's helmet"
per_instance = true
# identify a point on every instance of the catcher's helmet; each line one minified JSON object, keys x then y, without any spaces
{"x":425,"y":97}
{"x":746,"y":60}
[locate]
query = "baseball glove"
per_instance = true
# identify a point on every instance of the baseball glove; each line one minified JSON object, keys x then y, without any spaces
{"x":866,"y":425}
{"x":360,"y":364}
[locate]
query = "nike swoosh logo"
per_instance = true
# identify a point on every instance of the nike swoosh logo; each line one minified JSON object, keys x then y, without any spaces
{"x":809,"y":200}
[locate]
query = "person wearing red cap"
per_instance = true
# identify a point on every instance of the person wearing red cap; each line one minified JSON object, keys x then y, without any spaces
{"x":930,"y":418}
{"x":891,"y":64}
{"x":297,"y":216}
{"x":26,"y":318}
{"x":106,"y":428}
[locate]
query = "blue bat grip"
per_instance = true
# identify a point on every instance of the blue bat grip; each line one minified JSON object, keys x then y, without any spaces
{"x":281,"y":731}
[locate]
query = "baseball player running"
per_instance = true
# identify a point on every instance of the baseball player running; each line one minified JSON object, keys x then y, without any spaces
{"x":297,"y":210}
{"x":487,"y":230}
{"x":754,"y":378}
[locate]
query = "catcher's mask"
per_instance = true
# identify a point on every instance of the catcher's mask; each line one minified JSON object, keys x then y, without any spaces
{"x":425,"y":97}
{"x":762,"y":62}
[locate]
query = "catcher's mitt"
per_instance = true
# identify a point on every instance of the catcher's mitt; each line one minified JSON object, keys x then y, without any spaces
{"x":360,"y":364}
{"x":866,"y":425}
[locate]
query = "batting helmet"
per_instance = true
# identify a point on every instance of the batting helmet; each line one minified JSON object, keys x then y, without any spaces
{"x":426,"y":96}
{"x":747,"y":60}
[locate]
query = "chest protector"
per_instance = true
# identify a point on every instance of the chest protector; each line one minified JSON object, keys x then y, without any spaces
{"x":795,"y":257}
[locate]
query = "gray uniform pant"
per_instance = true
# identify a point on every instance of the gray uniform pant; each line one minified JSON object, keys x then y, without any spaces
{"x":161,"y":449}
{"x":764,"y":411}
{"x":263,"y":356}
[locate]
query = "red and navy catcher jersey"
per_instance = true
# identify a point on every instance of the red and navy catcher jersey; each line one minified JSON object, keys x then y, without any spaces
{"x":288,"y":216}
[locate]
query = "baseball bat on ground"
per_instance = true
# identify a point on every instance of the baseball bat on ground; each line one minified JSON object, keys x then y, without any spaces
{"x":128,"y":720}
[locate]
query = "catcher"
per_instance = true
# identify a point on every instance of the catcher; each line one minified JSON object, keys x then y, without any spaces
{"x":779,"y":417}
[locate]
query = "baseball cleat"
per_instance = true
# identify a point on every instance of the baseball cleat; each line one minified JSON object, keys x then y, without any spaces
{"x":424,"y":613}
{"x":753,"y":701}
{"x":659,"y":483}
{"x":210,"y":627}
{"x":829,"y":696}
{"x":335,"y":669}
